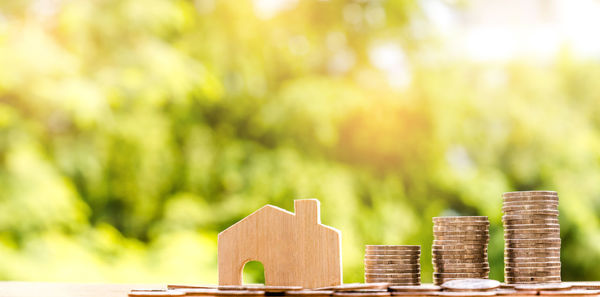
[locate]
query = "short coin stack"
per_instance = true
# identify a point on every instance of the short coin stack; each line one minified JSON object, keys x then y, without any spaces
{"x":393,"y":264}
{"x":460,"y":248}
{"x":532,"y":237}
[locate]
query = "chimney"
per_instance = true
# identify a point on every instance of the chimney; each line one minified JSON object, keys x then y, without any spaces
{"x":308,"y":210}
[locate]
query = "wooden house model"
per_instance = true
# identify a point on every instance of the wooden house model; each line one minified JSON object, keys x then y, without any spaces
{"x":294,"y":248}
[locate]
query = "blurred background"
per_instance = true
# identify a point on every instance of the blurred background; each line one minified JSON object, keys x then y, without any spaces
{"x":132,"y":132}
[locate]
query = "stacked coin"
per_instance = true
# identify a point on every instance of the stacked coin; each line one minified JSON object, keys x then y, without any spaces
{"x":460,"y":248}
{"x":393,"y":264}
{"x":532,"y":237}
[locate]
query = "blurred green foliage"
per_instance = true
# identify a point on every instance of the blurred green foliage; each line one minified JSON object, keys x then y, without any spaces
{"x":132,"y":132}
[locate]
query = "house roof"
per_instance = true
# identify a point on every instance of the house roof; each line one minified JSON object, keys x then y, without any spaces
{"x":265,"y":209}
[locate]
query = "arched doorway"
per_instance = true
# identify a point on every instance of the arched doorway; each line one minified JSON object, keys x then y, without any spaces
{"x":253,"y":273}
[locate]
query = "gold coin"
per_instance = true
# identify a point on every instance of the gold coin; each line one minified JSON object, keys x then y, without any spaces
{"x":460,"y":270}
{"x":532,"y":236}
{"x":480,"y":251}
{"x":514,"y":217}
{"x":461,"y":275}
{"x":518,"y":227}
{"x":549,"y":271}
{"x":459,"y":242}
{"x":461,"y":219}
{"x":392,"y":279}
{"x":468,"y":247}
{"x":531,"y":212}
{"x":539,"y":203}
{"x":379,"y":271}
{"x":532,"y":264}
{"x":513,"y":257}
{"x":392,"y":267}
{"x":460,"y":227}
{"x":529,"y":207}
{"x":385,"y":253}
{"x":462,"y":265}
{"x":392,"y":275}
{"x":533,"y":231}
{"x":452,"y":261}
{"x":392,"y":257}
{"x":394,"y":247}
{"x":540,"y":279}
{"x":529,"y":193}
{"x":539,"y":200}
{"x":462,"y":233}
{"x":531,"y":240}
{"x":533,"y":250}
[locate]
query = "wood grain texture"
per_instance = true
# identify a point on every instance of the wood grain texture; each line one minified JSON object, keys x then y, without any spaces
{"x":294,"y":248}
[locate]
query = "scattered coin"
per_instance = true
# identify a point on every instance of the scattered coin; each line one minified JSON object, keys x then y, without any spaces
{"x":202,"y":292}
{"x":471,"y":284}
{"x":361,"y":294}
{"x":591,"y":285}
{"x":420,"y":288}
{"x":176,"y":286}
{"x":199,"y":291}
{"x":311,"y":293}
{"x":543,"y":287}
{"x":467,"y":294}
{"x":354,"y":286}
{"x":573,"y":292}
{"x":259,"y":287}
{"x":416,"y":294}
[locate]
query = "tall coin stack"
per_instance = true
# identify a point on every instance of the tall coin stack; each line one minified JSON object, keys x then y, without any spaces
{"x":532,"y":237}
{"x":393,"y":264}
{"x":460,"y":248}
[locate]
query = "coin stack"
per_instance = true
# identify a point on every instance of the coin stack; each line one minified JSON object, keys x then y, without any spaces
{"x":393,"y":264}
{"x":532,"y":237}
{"x":460,"y":248}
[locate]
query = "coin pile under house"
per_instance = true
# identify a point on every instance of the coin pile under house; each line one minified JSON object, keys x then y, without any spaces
{"x":532,"y":237}
{"x":455,"y":288}
{"x":460,"y":248}
{"x":393,"y":264}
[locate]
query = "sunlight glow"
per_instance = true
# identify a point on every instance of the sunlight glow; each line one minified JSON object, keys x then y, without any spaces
{"x":505,"y":29}
{"x":389,"y":57}
{"x":266,"y":9}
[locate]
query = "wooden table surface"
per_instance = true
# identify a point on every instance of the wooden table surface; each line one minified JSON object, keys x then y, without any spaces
{"x":34,"y":289}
